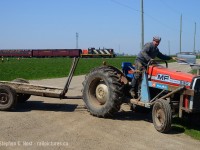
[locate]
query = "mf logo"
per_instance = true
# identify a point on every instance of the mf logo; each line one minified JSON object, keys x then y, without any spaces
{"x":163,"y":77}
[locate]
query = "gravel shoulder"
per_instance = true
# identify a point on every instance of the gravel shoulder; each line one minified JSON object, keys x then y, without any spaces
{"x":49,"y":123}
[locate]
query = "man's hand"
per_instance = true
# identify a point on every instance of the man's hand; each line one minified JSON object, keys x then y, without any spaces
{"x":179,"y":59}
{"x":174,"y":58}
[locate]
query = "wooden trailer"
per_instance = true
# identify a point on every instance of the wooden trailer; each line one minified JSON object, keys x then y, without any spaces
{"x":20,"y":90}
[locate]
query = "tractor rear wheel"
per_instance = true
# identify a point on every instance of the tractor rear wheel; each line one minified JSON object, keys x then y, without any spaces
{"x":7,"y":97}
{"x":162,"y":116}
{"x":103,"y":91}
{"x":21,"y":98}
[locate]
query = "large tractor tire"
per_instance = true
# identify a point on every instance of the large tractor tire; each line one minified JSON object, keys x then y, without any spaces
{"x":7,"y":97}
{"x":103,"y":91}
{"x":162,"y":116}
{"x":21,"y":98}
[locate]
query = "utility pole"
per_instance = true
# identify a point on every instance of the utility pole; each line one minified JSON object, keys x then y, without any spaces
{"x":77,"y":40}
{"x":194,"y":37}
{"x":180,"y":32}
{"x":142,"y":25}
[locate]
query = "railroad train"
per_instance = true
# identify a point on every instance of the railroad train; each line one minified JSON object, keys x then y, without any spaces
{"x":41,"y":53}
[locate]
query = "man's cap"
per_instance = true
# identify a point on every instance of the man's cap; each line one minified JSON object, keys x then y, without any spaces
{"x":157,"y":38}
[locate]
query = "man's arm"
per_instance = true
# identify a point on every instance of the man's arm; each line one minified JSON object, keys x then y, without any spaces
{"x":164,"y":57}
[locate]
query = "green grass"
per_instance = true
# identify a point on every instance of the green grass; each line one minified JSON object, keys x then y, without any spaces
{"x":37,"y":68}
{"x":188,"y":126}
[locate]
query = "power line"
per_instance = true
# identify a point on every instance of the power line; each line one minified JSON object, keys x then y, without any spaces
{"x":160,"y":22}
{"x":124,"y":5}
{"x":155,"y":19}
{"x":164,"y":2}
{"x":188,"y":18}
{"x":176,"y":11}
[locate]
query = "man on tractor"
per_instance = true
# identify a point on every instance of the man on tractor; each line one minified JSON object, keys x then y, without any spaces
{"x":149,"y":52}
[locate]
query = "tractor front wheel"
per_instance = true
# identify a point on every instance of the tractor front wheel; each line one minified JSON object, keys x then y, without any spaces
{"x":162,"y":116}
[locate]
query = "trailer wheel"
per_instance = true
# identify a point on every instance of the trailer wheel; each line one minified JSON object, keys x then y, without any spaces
{"x":162,"y":116}
{"x":7,"y":97}
{"x":21,"y":98}
{"x":103,"y":91}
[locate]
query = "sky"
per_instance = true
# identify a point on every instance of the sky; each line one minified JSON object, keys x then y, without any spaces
{"x":53,"y":24}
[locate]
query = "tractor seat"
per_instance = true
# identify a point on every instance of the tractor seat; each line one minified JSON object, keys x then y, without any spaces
{"x":127,"y":69}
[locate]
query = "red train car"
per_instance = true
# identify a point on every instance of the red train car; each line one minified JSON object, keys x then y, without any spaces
{"x":57,"y":53}
{"x":60,"y":53}
{"x":66,"y":52}
{"x":75,"y":52}
{"x":16,"y":53}
{"x":42,"y":53}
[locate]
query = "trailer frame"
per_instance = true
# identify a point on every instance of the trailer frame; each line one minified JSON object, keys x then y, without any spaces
{"x":37,"y":90}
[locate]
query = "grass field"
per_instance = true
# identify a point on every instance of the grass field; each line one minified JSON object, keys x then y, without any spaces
{"x":37,"y":68}
{"x":187,"y":126}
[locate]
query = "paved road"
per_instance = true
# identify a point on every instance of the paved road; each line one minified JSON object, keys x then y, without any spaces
{"x":48,"y":123}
